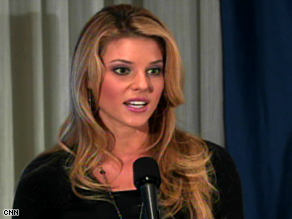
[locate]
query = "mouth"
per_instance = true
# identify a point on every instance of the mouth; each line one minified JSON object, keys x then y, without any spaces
{"x":136,"y":104}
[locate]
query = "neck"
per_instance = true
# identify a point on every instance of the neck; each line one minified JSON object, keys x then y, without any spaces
{"x":130,"y":142}
{"x":129,"y":145}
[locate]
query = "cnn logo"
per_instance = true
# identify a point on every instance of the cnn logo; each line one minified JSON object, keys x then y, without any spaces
{"x":11,"y":212}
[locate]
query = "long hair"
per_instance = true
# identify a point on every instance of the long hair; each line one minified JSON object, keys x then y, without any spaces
{"x":184,"y":160}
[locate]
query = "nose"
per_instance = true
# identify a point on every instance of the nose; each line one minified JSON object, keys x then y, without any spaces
{"x":142,"y":82}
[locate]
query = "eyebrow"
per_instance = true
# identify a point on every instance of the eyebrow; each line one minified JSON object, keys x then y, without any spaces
{"x":121,"y":60}
{"x":158,"y":61}
{"x":129,"y":62}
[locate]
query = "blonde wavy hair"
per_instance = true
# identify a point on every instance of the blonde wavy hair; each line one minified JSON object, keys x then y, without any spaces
{"x":184,"y":160}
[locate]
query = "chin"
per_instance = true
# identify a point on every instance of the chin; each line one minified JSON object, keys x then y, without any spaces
{"x":138,"y":125}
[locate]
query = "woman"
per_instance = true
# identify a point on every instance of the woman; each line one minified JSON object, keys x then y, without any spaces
{"x":125,"y":82}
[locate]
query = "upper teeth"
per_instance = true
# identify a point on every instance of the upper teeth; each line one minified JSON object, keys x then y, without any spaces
{"x":136,"y":103}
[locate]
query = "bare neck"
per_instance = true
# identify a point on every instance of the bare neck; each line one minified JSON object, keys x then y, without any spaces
{"x":129,"y":143}
{"x":128,"y":147}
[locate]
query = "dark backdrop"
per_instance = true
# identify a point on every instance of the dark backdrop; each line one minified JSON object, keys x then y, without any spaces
{"x":257,"y":48}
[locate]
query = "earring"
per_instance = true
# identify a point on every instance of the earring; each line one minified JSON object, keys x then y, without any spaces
{"x":91,"y":100}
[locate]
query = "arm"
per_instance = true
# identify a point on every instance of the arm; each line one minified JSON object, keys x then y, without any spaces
{"x":229,"y":205}
{"x":38,"y":192}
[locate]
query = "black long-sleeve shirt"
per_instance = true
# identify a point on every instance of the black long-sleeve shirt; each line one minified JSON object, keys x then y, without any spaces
{"x":44,"y":192}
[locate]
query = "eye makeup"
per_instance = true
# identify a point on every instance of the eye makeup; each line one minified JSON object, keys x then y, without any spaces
{"x":121,"y":70}
{"x":154,"y":71}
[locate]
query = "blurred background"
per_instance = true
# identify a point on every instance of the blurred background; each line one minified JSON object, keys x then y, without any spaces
{"x":238,"y":61}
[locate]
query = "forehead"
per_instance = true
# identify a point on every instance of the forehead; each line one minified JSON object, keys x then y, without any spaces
{"x":133,"y":48}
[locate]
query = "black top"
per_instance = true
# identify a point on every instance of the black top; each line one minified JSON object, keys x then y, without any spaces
{"x":44,"y":192}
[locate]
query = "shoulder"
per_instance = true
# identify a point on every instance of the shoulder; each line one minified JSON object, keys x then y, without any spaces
{"x":221,"y":159}
{"x":45,"y":167}
{"x":227,"y":182}
{"x":43,"y":183}
{"x":53,"y":159}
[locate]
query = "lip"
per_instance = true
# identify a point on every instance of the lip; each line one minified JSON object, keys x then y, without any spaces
{"x":138,"y":110}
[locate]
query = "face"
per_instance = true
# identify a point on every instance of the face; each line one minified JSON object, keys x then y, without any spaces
{"x":133,"y":82}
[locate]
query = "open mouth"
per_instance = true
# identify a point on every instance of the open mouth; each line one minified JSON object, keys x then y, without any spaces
{"x":136,"y":104}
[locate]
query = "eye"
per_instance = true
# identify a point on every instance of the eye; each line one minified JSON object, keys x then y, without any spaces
{"x":154,"y":71}
{"x":122,"y":70}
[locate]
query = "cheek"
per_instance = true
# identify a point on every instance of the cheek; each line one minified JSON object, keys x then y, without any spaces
{"x":159,"y":87}
{"x":109,"y":90}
